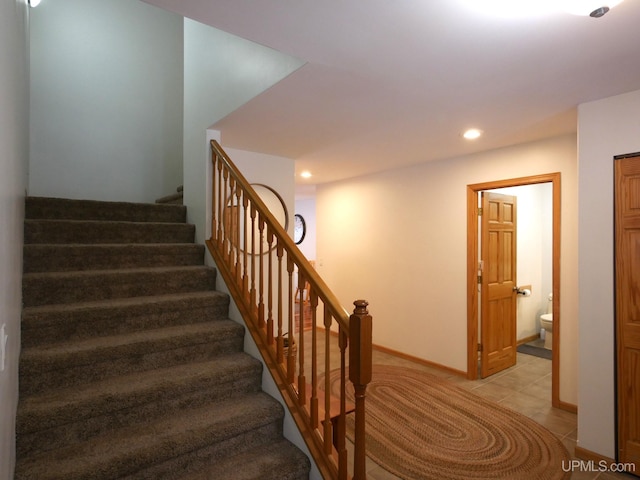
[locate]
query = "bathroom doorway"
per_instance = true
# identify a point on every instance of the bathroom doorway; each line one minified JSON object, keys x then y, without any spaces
{"x":473,"y":329}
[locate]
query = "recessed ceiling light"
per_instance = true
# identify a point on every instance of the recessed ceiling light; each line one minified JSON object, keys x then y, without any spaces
{"x":305,"y":174}
{"x":34,"y":3}
{"x":472,"y":134}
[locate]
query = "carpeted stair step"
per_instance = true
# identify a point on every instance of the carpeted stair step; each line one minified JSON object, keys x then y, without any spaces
{"x":182,"y":442}
{"x":69,"y":209}
{"x":55,"y":419}
{"x":90,"y":231}
{"x":278,"y":461}
{"x":49,"y":324}
{"x":75,"y":363}
{"x":130,"y":368}
{"x":66,"y":257}
{"x":68,"y":287}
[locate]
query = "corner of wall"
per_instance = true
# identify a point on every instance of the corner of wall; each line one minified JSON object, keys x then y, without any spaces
{"x":14,"y":160}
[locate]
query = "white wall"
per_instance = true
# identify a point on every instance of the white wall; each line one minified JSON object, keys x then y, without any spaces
{"x":606,"y":128}
{"x":221,"y":72}
{"x":106,"y":111}
{"x":399,"y":240}
{"x":307,"y":208}
{"x":14,"y":155}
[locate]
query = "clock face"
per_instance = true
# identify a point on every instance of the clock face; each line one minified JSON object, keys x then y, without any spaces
{"x":299,"y":229}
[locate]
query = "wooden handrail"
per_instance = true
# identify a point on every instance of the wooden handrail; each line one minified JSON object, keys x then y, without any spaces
{"x":261,"y":266}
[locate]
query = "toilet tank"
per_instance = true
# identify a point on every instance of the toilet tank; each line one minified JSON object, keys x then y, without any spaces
{"x":550,"y":303}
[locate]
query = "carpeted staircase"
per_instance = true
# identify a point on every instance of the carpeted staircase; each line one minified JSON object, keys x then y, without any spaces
{"x":130,"y":367}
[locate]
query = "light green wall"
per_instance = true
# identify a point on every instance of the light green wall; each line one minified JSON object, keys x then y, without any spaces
{"x":115,"y":87}
{"x":106,"y":112}
{"x":221,"y":73}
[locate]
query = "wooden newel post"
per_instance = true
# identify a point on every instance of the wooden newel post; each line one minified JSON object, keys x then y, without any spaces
{"x":360,"y":359}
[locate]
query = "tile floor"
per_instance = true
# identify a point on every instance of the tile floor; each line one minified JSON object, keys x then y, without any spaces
{"x":526,"y":388}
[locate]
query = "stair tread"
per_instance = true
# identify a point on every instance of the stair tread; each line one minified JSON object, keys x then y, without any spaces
{"x":123,"y":302}
{"x":74,"y":232}
{"x":48,"y":288}
{"x":49,"y":207}
{"x":69,"y":221}
{"x":110,"y":247}
{"x":85,"y":351}
{"x":54,"y":323}
{"x":116,"y":272}
{"x":130,"y":449}
{"x":277,"y":461}
{"x":51,"y":257}
{"x":45,"y":410}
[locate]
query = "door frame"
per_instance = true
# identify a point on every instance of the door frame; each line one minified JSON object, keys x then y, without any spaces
{"x":472,"y":273}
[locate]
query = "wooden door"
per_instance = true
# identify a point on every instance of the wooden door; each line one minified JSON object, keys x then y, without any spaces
{"x":627,"y":263}
{"x":498,"y":292}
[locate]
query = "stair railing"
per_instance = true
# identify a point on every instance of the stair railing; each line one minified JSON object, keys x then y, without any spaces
{"x":279,"y":293}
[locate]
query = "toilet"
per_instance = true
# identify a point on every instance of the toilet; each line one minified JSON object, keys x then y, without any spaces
{"x":546,"y":324}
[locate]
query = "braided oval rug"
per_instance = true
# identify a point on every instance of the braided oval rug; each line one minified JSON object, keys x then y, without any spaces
{"x":420,"y":426}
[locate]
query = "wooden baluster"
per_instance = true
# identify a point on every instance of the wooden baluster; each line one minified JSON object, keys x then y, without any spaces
{"x":227,"y":218}
{"x":280,"y":345}
{"x":261,"y":319}
{"x":302,"y":381}
{"x":253,"y":258}
{"x":231,"y":221}
{"x":245,"y":253}
{"x":313,"y":300}
{"x":328,"y":426}
{"x":237,"y":230}
{"x":270,"y":288}
{"x":219,"y":238}
{"x":360,"y":365}
{"x":341,"y":446}
{"x":291,"y":367}
{"x":214,"y":192}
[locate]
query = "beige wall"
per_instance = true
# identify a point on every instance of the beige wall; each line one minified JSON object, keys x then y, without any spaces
{"x":398,"y":239}
{"x":606,"y":128}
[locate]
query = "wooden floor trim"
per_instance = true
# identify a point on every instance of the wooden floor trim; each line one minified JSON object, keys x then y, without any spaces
{"x":421,"y":361}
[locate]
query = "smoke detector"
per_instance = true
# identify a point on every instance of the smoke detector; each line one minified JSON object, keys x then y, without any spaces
{"x":599,"y":12}
{"x":592,"y":8}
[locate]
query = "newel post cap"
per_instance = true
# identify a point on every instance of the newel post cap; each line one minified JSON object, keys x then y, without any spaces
{"x":361,"y":307}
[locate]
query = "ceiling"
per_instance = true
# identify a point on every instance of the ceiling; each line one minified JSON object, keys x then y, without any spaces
{"x":390,"y":83}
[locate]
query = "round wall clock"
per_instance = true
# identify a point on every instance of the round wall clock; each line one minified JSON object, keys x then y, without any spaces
{"x":299,"y":229}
